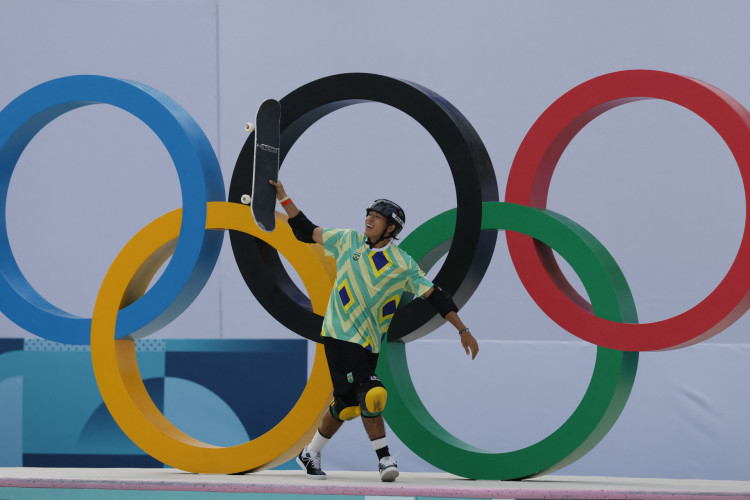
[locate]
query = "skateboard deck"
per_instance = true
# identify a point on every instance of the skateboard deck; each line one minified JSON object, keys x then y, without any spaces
{"x":266,"y":163}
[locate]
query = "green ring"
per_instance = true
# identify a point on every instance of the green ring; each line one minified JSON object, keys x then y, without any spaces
{"x":611,"y":381}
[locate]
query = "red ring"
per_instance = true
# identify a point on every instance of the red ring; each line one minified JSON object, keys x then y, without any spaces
{"x":528,"y":184}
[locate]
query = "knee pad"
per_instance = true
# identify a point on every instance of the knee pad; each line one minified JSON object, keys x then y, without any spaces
{"x":342,"y":410}
{"x":372,"y":397}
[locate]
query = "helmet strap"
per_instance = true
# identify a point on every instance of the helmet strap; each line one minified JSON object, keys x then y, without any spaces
{"x":382,"y":237}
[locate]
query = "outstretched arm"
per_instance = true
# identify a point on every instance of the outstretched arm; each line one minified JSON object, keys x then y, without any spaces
{"x":442,"y":301}
{"x":292,"y":211}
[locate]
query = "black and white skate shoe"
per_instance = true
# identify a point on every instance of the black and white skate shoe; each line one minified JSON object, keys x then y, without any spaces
{"x":310,"y":463}
{"x":388,"y":469}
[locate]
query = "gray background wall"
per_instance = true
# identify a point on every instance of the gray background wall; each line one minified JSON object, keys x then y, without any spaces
{"x":650,"y":180}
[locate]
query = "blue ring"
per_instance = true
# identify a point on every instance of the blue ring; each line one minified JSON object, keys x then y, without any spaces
{"x":200,"y":182}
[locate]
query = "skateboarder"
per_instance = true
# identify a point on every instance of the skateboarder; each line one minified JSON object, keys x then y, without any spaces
{"x":371,"y":274}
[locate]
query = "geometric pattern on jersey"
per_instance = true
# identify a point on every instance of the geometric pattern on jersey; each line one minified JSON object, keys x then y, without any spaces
{"x":368,"y":288}
{"x":380,"y":262}
{"x":389,"y":308}
{"x":345,"y":294}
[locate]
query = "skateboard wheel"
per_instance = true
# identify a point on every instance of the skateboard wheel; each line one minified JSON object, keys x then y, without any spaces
{"x":249,"y":127}
{"x":245,"y":199}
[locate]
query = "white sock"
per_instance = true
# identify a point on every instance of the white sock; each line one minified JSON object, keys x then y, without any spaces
{"x":378,"y":443}
{"x":317,"y":443}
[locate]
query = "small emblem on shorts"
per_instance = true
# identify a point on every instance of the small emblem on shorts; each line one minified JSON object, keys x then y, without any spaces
{"x":350,"y":378}
{"x":356,"y":256}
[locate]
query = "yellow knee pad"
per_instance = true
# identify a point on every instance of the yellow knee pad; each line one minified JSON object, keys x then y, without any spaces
{"x":374,"y":401}
{"x":350,"y":413}
{"x":342,"y":412}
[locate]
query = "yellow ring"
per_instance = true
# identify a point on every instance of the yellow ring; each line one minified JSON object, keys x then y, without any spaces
{"x":116,"y":366}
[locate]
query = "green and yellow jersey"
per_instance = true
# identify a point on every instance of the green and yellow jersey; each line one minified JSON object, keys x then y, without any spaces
{"x":368,"y":288}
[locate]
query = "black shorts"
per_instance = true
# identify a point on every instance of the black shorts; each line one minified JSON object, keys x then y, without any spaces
{"x":350,"y":365}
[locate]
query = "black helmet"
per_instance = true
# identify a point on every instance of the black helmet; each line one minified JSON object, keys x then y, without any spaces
{"x":391,"y":211}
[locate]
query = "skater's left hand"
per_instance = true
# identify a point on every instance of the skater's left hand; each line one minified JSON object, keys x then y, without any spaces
{"x":470,"y":344}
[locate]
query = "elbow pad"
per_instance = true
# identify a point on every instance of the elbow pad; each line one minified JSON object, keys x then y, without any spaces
{"x":302,"y":228}
{"x":442,"y":301}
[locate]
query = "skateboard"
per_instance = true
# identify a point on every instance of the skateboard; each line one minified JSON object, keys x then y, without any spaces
{"x":266,"y":164}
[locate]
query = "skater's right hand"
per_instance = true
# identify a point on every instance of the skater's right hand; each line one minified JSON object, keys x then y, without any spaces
{"x":280,"y":192}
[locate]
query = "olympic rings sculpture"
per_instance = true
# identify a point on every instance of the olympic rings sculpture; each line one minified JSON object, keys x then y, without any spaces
{"x":124,"y":310}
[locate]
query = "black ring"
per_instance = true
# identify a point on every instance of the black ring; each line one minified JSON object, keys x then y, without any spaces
{"x":473,"y":175}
